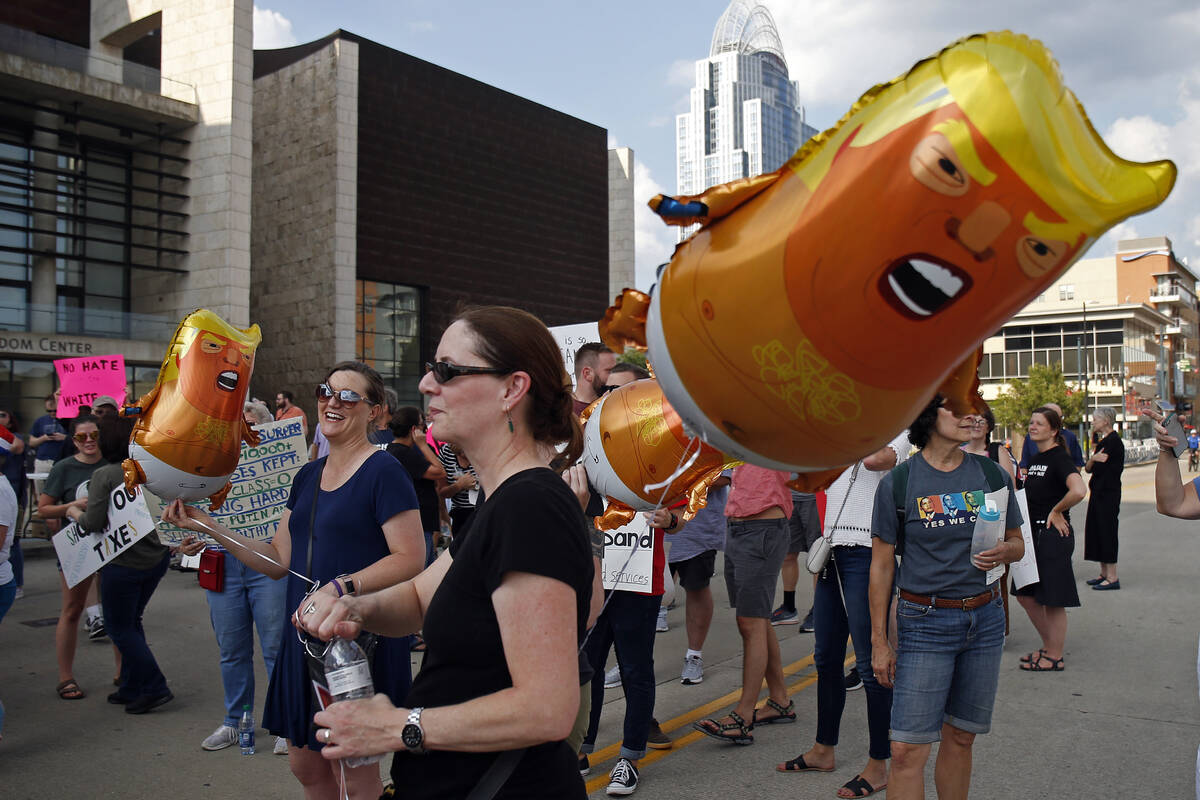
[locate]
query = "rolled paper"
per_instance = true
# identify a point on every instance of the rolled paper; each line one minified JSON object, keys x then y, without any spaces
{"x":188,"y":436}
{"x":819,"y":308}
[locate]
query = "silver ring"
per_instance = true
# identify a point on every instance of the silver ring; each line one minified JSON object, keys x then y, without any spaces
{"x":328,"y":733}
{"x":312,"y":607}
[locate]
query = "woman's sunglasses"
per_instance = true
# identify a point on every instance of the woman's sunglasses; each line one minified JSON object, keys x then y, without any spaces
{"x":348,"y":397}
{"x":89,"y":436}
{"x":444,"y":371}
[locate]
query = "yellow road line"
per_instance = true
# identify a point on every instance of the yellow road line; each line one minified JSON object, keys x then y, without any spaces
{"x":600,"y":756}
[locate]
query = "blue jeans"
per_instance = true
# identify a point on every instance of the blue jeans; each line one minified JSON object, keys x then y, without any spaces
{"x":16,"y":557}
{"x":249,"y":599}
{"x":124,"y":594}
{"x":8,"y":593}
{"x":628,"y":625}
{"x":833,"y":620}
{"x":947,"y":668}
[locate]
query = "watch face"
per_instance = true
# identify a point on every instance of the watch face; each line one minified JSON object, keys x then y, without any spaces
{"x":411,"y":736}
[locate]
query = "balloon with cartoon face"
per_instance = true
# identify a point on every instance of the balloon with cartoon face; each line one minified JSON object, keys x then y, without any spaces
{"x":188,"y":437}
{"x":819,"y":308}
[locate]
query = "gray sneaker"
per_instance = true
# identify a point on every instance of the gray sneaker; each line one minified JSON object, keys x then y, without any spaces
{"x":660,"y":625}
{"x":612,"y":678}
{"x":693,"y":671}
{"x":222,"y":737}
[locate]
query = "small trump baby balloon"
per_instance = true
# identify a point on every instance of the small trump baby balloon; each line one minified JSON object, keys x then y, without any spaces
{"x":637,"y":455}
{"x":820,"y":307}
{"x":188,"y":437}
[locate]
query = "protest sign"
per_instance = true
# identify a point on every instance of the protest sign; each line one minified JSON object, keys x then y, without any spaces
{"x":84,"y":379}
{"x":1025,"y":571}
{"x":629,"y":557}
{"x":570,"y":338}
{"x":81,"y":553}
{"x":261,"y":484}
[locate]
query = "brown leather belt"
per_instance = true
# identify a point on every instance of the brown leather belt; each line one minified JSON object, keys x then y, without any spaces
{"x":965,"y":603}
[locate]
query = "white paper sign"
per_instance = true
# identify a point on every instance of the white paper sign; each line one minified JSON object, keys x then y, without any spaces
{"x":572,"y":337}
{"x":81,"y":554}
{"x":261,"y":485}
{"x":1025,"y":571}
{"x":629,"y":557}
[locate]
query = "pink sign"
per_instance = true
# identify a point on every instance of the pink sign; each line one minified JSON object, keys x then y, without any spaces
{"x":84,"y":379}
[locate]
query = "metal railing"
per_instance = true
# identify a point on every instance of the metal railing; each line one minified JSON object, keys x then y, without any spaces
{"x":38,"y":318}
{"x":56,"y":53}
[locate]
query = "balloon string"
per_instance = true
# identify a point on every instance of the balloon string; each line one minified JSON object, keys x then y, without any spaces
{"x":313,"y":584}
{"x":679,"y":469}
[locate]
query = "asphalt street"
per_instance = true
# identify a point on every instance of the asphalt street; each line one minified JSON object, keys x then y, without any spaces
{"x":1121,"y":721}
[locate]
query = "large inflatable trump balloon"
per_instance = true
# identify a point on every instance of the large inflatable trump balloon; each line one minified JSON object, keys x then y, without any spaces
{"x":637,"y":455}
{"x":190,"y":428}
{"x":820,"y":307}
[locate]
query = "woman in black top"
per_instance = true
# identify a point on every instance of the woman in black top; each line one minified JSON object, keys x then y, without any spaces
{"x":1100,"y":528}
{"x":1051,"y":488}
{"x":503,"y":611}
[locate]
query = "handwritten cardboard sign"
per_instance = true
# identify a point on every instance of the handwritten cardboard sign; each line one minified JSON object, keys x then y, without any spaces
{"x":572,"y":337}
{"x":82,"y":553}
{"x":84,"y":379}
{"x":261,"y":484}
{"x":629,"y":557}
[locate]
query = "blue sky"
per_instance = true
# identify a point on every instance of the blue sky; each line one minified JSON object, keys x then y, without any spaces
{"x":626,"y":66}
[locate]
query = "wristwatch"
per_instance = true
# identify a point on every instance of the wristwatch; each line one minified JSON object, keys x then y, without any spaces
{"x":412,"y":734}
{"x":347,"y":582}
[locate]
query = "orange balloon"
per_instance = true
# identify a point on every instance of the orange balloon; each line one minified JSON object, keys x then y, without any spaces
{"x":187,"y":440}
{"x":819,"y":308}
{"x":637,"y":455}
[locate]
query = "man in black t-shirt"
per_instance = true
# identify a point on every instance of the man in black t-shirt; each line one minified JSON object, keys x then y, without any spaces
{"x":426,"y":473}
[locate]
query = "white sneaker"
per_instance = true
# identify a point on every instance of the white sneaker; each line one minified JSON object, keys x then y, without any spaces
{"x":693,"y":671}
{"x":222,"y":737}
{"x":623,"y":779}
{"x":612,"y":678}
{"x":20,"y":593}
{"x":281,"y":747}
{"x":661,"y":626}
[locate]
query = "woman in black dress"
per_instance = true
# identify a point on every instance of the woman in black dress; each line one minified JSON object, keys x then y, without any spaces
{"x":1100,"y":528}
{"x":1051,"y":488}
{"x":503,"y":610}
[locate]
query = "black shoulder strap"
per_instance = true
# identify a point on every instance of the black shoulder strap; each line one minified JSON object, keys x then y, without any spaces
{"x":900,"y":498}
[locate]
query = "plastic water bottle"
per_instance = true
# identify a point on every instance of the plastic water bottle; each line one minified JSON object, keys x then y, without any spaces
{"x":246,"y":732}
{"x":987,"y":531}
{"x":348,"y":675}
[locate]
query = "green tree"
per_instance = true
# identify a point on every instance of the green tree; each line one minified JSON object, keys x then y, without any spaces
{"x":1044,"y":385}
{"x":633,"y":356}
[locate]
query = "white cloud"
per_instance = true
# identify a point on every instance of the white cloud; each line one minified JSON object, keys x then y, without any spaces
{"x":1139,"y":138}
{"x":653,"y":241}
{"x":272,"y":30}
{"x":682,"y":72}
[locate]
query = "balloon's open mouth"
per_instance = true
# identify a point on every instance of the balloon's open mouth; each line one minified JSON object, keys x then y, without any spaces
{"x":921,"y":285}
{"x":227,"y":381}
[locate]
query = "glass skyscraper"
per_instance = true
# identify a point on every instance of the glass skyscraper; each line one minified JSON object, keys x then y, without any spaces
{"x":745,"y":116}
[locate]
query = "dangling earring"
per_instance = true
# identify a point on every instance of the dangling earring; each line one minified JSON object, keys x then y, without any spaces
{"x":509,"y":416}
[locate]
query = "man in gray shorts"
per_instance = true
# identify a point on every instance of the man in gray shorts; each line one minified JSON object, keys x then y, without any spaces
{"x":756,"y":539}
{"x":805,"y":528}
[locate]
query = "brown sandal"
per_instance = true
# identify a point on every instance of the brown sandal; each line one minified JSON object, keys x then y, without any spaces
{"x":69,"y":690}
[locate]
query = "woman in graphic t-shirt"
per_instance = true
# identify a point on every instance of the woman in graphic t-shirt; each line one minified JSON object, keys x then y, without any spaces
{"x":1052,"y":486}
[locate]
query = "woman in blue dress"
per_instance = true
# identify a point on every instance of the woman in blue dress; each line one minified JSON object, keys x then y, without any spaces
{"x":366,"y":536}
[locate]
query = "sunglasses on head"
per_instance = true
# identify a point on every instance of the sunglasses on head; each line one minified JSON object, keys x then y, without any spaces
{"x":348,"y":397}
{"x":88,"y":436}
{"x":444,"y":371}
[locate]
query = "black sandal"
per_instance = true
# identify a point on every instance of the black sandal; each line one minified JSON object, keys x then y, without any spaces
{"x":714,"y":728}
{"x":798,"y":764}
{"x":1056,"y":664}
{"x":861,"y":787}
{"x":785,"y":714}
{"x":1036,"y":654}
